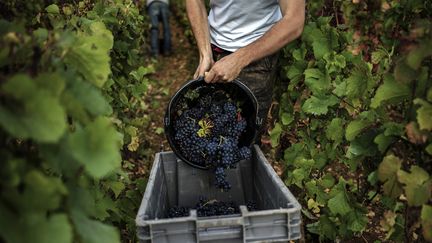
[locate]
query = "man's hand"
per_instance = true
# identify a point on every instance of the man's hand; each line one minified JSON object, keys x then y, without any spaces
{"x":204,"y":66}
{"x":226,"y":69}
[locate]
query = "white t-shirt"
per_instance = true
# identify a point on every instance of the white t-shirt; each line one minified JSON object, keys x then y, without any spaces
{"x":237,"y":23}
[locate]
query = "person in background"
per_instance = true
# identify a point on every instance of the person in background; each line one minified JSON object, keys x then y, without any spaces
{"x":241,"y":38}
{"x":158,"y":10}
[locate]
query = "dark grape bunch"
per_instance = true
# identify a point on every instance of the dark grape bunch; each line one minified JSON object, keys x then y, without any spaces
{"x":207,"y":208}
{"x":208,"y":134}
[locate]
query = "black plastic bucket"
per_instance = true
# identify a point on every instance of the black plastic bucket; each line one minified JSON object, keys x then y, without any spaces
{"x":249,"y":110}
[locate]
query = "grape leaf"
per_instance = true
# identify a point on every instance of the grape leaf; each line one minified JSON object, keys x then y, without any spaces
{"x":403,"y":73}
{"x":90,"y":54}
{"x":383,"y":142}
{"x":357,"y":221}
{"x":418,"y":185}
{"x":319,"y":105}
{"x":426,"y":221}
{"x":38,"y":228}
{"x":424,"y":114}
{"x":377,"y":56}
{"x":96,"y":147}
{"x":355,"y":127}
{"x":429,"y":149}
{"x":339,"y":204}
{"x":390,"y":91}
{"x":287,"y":118}
{"x":418,"y":53}
{"x":275,"y":134}
{"x":335,"y":130}
{"x":37,"y":114}
{"x":357,"y":84}
{"x":53,"y":9}
{"x":387,"y":173}
{"x":92,"y":231}
{"x":317,"y":81}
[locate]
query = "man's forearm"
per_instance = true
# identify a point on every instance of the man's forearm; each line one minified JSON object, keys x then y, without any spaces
{"x":286,"y":30}
{"x":197,"y":15}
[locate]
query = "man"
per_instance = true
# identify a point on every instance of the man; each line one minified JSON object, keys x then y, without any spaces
{"x":158,"y":10}
{"x":240,"y":39}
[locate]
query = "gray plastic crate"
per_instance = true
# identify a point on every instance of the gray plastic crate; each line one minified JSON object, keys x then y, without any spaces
{"x":173,"y":182}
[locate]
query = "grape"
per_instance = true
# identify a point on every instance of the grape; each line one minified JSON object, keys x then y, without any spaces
{"x":207,"y":208}
{"x":208,"y":133}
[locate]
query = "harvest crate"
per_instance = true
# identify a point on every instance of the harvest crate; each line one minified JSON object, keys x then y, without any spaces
{"x":173,"y":182}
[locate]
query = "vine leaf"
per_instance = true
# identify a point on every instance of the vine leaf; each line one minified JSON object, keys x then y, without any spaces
{"x":275,"y":134}
{"x":93,"y":231}
{"x":426,"y":219}
{"x":316,"y":80}
{"x":53,"y":9}
{"x":424,"y":114}
{"x":96,"y":147}
{"x":417,"y":187}
{"x":38,"y":113}
{"x":339,"y":204}
{"x":390,"y":91}
{"x":387,"y":173}
{"x":355,"y":127}
{"x":335,"y":130}
{"x":319,"y":105}
{"x":90,"y":54}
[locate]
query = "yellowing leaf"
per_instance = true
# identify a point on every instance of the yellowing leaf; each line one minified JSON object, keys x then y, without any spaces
{"x":424,"y":114}
{"x":418,"y":185}
{"x":387,"y":173}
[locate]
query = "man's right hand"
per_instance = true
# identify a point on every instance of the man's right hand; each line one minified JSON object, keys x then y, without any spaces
{"x":204,"y":66}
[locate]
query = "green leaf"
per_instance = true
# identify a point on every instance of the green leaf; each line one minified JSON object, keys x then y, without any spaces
{"x":317,"y":81}
{"x":96,"y":147}
{"x":89,"y":98}
{"x":418,"y":185}
{"x":387,"y":173}
{"x":383,"y":142}
{"x":391,"y":92}
{"x":319,"y":105}
{"x":403,"y":72}
{"x":426,"y":221}
{"x":92,"y":231}
{"x":377,"y":56}
{"x":42,"y":192}
{"x":275,"y":134}
{"x":357,"y":84}
{"x":339,"y":204}
{"x":53,"y":9}
{"x":38,"y":228}
{"x":141,"y":72}
{"x":416,"y":55}
{"x":90,"y":54}
{"x":429,"y":149}
{"x":335,"y":130}
{"x":117,"y":187}
{"x":355,"y":127}
{"x":357,"y":221}
{"x":287,"y":118}
{"x":424,"y":114}
{"x":36,"y":114}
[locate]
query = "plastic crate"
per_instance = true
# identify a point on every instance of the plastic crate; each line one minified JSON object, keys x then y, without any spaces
{"x":173,"y":182}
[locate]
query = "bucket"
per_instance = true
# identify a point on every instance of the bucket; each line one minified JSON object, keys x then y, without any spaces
{"x":236,"y":89}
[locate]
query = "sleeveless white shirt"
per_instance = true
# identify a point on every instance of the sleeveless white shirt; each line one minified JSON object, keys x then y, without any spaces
{"x":237,"y":23}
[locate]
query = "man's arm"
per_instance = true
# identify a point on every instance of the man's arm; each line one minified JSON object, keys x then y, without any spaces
{"x":197,"y":15}
{"x":286,"y":30}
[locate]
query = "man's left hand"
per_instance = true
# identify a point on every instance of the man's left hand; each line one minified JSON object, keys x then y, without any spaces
{"x":226,"y":69}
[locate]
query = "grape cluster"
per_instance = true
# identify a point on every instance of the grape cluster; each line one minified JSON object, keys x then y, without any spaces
{"x":207,"y":208}
{"x":208,"y":133}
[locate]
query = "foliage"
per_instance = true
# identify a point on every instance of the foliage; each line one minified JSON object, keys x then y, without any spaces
{"x":68,"y":72}
{"x":366,"y":83}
